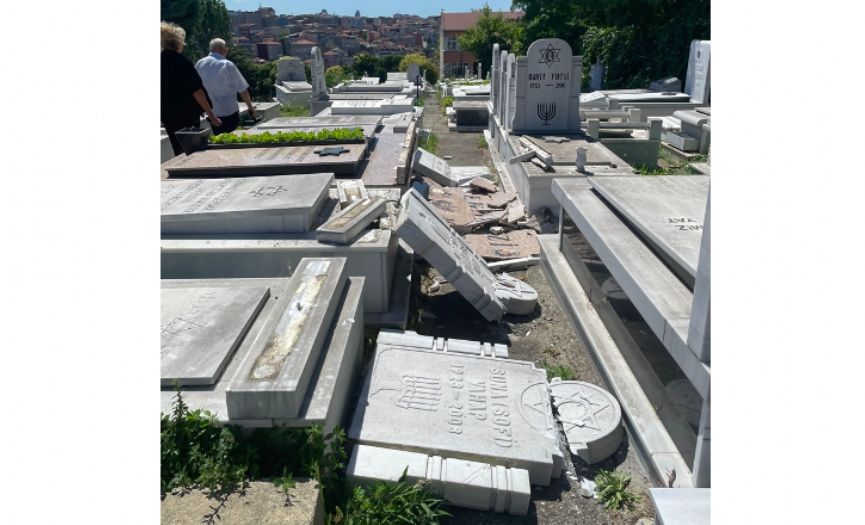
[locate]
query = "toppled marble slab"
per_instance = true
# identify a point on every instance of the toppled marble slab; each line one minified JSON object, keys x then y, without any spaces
{"x":202,"y":326}
{"x":272,"y":380}
{"x":591,"y":418}
{"x":344,"y":226}
{"x":483,"y":185}
{"x":543,"y":155}
{"x":349,"y":191}
{"x":463,"y":483}
{"x":513,"y":244}
{"x":490,"y":201}
{"x":493,"y":411}
{"x":279,"y":204}
{"x":411,"y":339}
{"x":518,"y":297}
{"x":420,"y":227}
{"x":515,"y":212}
{"x":436,"y":168}
{"x":464,"y":211}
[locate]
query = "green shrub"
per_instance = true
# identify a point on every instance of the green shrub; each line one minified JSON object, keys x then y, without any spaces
{"x":482,"y":141}
{"x":430,"y":143}
{"x":288,"y":110}
{"x":298,"y":137}
{"x":564,"y":372}
{"x":612,"y":490}
{"x":392,"y":503}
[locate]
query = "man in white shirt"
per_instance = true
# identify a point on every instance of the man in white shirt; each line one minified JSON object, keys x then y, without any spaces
{"x":223,"y":82}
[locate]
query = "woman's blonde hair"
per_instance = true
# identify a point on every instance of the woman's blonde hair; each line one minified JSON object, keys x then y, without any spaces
{"x":172,"y":35}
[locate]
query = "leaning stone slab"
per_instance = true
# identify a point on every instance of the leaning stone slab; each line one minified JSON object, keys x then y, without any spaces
{"x":591,"y":418}
{"x":494,"y":411}
{"x":349,"y":191}
{"x":518,"y":297}
{"x":350,"y":222}
{"x":260,"y":503}
{"x":272,"y":380}
{"x":280,"y":204}
{"x":513,"y":244}
{"x":422,"y":229}
{"x":469,"y":484}
{"x":202,"y":327}
{"x":437,"y":169}
{"x":412,"y":339}
{"x":542,"y":154}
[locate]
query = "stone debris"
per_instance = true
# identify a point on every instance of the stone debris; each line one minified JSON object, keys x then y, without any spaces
{"x":514,"y":244}
{"x":591,"y":418}
{"x":587,"y":488}
{"x":518,"y":297}
{"x":483,"y":185}
{"x":545,"y":156}
{"x":556,"y":140}
{"x":344,"y":226}
{"x":349,"y":191}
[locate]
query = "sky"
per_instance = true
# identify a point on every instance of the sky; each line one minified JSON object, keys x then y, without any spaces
{"x":367,"y":8}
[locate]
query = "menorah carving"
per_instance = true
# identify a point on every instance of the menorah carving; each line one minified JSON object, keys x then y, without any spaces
{"x":546,"y":111}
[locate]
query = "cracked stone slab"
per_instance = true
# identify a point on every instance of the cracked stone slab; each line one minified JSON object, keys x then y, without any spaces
{"x":518,"y":297}
{"x":411,"y":339}
{"x":514,"y":244}
{"x":349,"y":191}
{"x":591,"y":418}
{"x":347,"y":224}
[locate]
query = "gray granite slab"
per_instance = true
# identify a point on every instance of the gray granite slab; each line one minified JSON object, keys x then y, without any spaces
{"x":272,"y":380}
{"x":421,"y":228}
{"x":469,"y":484}
{"x":201,"y":328}
{"x":278,"y":160}
{"x":493,"y":411}
{"x":668,"y":210}
{"x":334,"y":121}
{"x":350,"y":222}
{"x":279,"y":204}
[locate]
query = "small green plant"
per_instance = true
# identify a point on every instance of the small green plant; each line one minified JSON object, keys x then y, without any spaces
{"x":290,"y":110}
{"x":612,"y":490}
{"x":429,"y":143}
{"x":482,"y":142}
{"x":399,"y":502}
{"x":286,"y":483}
{"x":564,"y":372}
{"x":445,"y":103}
{"x":645,"y":170}
{"x":290,"y":137}
{"x":418,"y":101}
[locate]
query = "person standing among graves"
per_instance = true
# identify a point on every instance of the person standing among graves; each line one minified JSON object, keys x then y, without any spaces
{"x":223,"y":83}
{"x":182,"y":95}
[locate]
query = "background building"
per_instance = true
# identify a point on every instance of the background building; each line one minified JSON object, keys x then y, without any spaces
{"x":452,"y":60}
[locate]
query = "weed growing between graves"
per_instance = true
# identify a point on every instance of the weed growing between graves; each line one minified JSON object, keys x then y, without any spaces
{"x":564,"y":372}
{"x":482,"y":142}
{"x":418,"y":101}
{"x":289,"y":110}
{"x":293,"y":137}
{"x":612,"y":490}
{"x":430,"y":143}
{"x":445,"y":103}
{"x":198,"y":452}
{"x":399,"y":502}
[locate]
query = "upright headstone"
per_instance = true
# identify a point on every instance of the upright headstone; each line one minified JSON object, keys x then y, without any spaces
{"x":697,"y":78}
{"x":290,"y":69}
{"x":699,"y":328}
{"x":480,"y":71}
{"x":494,"y":84}
{"x":502,"y":94}
{"x":412,"y":72}
{"x":548,"y":89}
{"x":319,"y":87}
{"x":512,"y":92}
{"x":596,"y":76}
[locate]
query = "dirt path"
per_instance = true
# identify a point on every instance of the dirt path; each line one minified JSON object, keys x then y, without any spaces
{"x":544,"y":337}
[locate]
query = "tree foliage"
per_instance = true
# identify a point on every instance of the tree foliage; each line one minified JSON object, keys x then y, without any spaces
{"x":637,"y":40}
{"x":203,"y":21}
{"x":260,"y":77}
{"x":335,"y":75}
{"x":368,"y":65}
{"x":491,"y":28}
{"x":424,"y":63}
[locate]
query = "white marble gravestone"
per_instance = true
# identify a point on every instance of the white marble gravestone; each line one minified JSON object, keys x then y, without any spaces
{"x":494,"y":77}
{"x":202,"y":327}
{"x":319,"y":87}
{"x":412,"y":72}
{"x":421,"y":228}
{"x":548,"y":88}
{"x":501,"y":96}
{"x":494,"y":411}
{"x":277,"y":204}
{"x":349,"y":191}
{"x":410,"y":339}
{"x":438,"y":169}
{"x":344,"y":226}
{"x":697,"y":79}
{"x":272,"y":380}
{"x":463,"y":483}
{"x":290,"y":69}
{"x":591,"y":418}
{"x":511,"y":108}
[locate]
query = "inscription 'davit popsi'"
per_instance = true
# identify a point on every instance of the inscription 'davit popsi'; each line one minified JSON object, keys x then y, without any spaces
{"x":548,"y":84}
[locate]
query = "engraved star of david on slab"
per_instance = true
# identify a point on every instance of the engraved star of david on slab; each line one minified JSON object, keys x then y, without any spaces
{"x":336,"y":151}
{"x":549,"y":55}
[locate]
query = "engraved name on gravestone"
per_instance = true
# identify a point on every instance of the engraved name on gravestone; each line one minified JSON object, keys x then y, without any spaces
{"x":202,"y":326}
{"x":697,"y":77}
{"x":496,"y":411}
{"x":549,"y":84}
{"x":290,"y":69}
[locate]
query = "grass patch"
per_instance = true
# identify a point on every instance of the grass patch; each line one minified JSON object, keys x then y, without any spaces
{"x":482,"y":141}
{"x":612,"y":490}
{"x":564,"y":372}
{"x":298,"y":137}
{"x":419,"y":102}
{"x":399,"y":502}
{"x":430,"y":143}
{"x":289,"y":110}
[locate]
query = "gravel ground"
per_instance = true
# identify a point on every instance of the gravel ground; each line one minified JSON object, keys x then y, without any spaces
{"x":544,"y":337}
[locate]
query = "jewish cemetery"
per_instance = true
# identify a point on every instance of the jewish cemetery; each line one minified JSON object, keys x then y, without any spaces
{"x":485,"y":297}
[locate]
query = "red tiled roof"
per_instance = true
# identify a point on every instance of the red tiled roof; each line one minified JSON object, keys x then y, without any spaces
{"x":462,"y":21}
{"x":304,"y":42}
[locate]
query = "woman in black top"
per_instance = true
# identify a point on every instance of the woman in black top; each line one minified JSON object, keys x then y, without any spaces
{"x":183,"y":95}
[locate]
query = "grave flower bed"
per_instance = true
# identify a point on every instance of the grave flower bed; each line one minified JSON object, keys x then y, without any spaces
{"x":289,"y":138}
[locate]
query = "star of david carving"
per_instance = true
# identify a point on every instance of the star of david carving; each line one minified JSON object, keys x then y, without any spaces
{"x":589,"y":419}
{"x":262,"y":191}
{"x":549,"y":55}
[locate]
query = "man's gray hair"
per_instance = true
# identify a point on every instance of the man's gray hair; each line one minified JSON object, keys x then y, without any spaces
{"x":217,"y":43}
